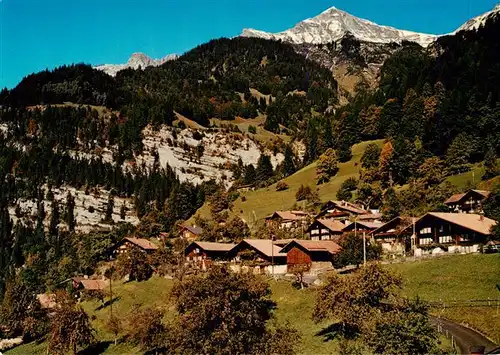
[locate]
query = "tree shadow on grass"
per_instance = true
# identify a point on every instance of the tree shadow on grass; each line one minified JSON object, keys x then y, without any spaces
{"x":337,"y":330}
{"x":97,"y":348}
{"x":108,"y":303}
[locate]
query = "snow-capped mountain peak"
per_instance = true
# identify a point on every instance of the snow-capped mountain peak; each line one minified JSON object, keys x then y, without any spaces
{"x":476,"y":22}
{"x":332,"y":24}
{"x":136,"y":61}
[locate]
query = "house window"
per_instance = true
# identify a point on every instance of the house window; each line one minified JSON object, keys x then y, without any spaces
{"x":445,"y":239}
{"x":426,"y":241}
{"x":465,"y":238}
{"x":326,"y":237}
{"x":315,"y":231}
{"x":426,"y":230}
{"x":314,"y":238}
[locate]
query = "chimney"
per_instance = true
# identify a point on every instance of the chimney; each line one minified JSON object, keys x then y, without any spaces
{"x":481,"y":217}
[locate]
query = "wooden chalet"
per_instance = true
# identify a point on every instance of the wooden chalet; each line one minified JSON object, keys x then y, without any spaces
{"x":389,"y":235}
{"x":310,"y":254}
{"x":467,"y":202}
{"x":450,"y":228}
{"x":190,"y":232}
{"x":288,"y":219}
{"x":203,"y":254}
{"x":258,"y":252}
{"x":138,"y":243}
{"x":325,"y":229}
{"x":341,"y":210}
{"x":82,"y":283}
{"x":361,"y":226}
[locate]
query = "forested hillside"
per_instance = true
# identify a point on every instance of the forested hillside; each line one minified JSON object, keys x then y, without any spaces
{"x":437,"y":110}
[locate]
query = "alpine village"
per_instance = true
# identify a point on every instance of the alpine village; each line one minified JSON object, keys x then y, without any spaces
{"x":264,"y":194}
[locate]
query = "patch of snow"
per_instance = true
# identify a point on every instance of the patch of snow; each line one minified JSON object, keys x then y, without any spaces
{"x":475,"y":23}
{"x":333,"y":24}
{"x":136,"y":61}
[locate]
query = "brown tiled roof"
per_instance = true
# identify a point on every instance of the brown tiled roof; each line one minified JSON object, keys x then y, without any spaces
{"x":457,"y":197}
{"x":283,"y":242}
{"x":193,"y":229}
{"x":348,"y":206}
{"x":473,"y":222}
{"x":368,"y":225}
{"x":332,"y":224}
{"x":210,"y":246}
{"x":93,"y":285}
{"x":142,"y":243}
{"x":316,"y":245}
{"x":265,"y":246}
{"x":454,"y":198}
{"x":404,"y":221}
{"x":289,"y":215}
{"x":369,"y":216}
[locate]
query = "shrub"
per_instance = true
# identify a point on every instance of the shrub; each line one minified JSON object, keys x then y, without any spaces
{"x":281,"y":186}
{"x":252,"y":129}
{"x":303,"y":193}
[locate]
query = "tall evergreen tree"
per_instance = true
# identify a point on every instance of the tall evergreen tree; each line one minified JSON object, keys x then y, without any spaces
{"x":70,"y":212}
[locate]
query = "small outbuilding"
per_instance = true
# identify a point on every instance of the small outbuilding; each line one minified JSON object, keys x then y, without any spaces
{"x":311,"y":254}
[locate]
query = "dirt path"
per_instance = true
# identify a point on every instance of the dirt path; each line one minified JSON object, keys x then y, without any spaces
{"x":464,"y":337}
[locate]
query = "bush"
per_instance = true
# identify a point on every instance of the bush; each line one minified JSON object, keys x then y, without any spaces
{"x":303,"y":193}
{"x":281,"y":186}
{"x":327,"y":166}
{"x":252,"y":129}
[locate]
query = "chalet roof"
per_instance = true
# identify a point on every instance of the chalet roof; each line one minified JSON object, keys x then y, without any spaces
{"x":403,"y":220}
{"x":142,"y":243}
{"x":331,"y":224}
{"x":473,"y":222}
{"x":366,"y":224}
{"x":369,"y":216}
{"x":210,"y":246}
{"x":315,"y":245}
{"x":194,"y":229}
{"x":265,"y":246}
{"x":289,"y":215}
{"x":348,"y":206}
{"x":93,"y":285}
{"x":458,"y":197}
{"x":283,"y":242}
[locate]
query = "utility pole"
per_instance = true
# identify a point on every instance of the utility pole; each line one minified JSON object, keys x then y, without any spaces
{"x":273,"y":238}
{"x":364,"y":248}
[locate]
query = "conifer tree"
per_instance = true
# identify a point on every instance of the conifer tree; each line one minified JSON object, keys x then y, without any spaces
{"x":70,"y":212}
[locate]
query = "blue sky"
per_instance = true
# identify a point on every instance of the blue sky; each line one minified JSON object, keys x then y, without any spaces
{"x":39,"y":34}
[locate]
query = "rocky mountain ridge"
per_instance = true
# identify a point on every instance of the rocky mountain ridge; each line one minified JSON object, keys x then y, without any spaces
{"x":333,"y":24}
{"x":136,"y":61}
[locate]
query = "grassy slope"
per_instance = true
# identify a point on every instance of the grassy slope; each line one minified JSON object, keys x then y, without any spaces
{"x":262,"y":202}
{"x":460,"y":277}
{"x":466,"y":179}
{"x":294,"y":306}
{"x":447,"y":278}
